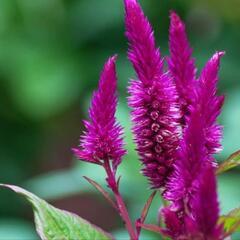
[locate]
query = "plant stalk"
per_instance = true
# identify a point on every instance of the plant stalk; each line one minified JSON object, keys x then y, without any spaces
{"x":120,"y":203}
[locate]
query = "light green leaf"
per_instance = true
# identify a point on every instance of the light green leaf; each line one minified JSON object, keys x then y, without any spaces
{"x":231,"y":162}
{"x":231,"y":221}
{"x":55,"y":224}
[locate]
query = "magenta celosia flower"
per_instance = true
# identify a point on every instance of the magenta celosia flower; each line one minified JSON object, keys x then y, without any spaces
{"x":182,"y":68}
{"x":194,"y":209}
{"x":207,"y":94}
{"x":201,"y":123}
{"x":186,"y":187}
{"x":181,"y":63}
{"x":153,"y":99}
{"x":102,"y":139}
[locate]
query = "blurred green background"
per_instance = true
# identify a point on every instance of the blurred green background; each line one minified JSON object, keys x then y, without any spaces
{"x":51,"y":53}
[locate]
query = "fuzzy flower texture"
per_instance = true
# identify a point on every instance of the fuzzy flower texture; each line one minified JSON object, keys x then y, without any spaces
{"x":174,"y":116}
{"x":102,"y":140}
{"x":153,"y":98}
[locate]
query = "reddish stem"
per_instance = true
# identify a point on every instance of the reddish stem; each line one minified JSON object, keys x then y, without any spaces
{"x":121,"y":205}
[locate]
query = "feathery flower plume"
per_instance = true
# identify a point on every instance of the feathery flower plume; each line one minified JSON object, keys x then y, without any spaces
{"x":194,"y":210}
{"x":181,"y":64}
{"x":194,"y":151}
{"x":102,"y":142}
{"x":186,"y":186}
{"x":102,"y":139}
{"x":211,"y":103}
{"x":153,"y":99}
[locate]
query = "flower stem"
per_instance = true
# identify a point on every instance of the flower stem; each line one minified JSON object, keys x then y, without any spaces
{"x":111,"y":179}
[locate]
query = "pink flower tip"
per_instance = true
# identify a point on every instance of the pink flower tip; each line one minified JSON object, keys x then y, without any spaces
{"x":176,"y":20}
{"x":130,"y":2}
{"x":218,"y":55}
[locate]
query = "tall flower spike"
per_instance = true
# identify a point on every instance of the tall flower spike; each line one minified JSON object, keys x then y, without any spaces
{"x":152,"y":98}
{"x":189,"y":192}
{"x":185,"y":187}
{"x":103,"y":137}
{"x":201,"y":122}
{"x":207,"y":93}
{"x":181,"y":64}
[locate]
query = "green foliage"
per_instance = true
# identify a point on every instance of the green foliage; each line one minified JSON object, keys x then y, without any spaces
{"x":55,"y":224}
{"x":231,"y":221}
{"x":232,"y":162}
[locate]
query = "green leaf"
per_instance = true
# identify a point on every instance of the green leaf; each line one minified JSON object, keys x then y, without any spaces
{"x":231,"y":221}
{"x":232,"y":162}
{"x":55,"y":224}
